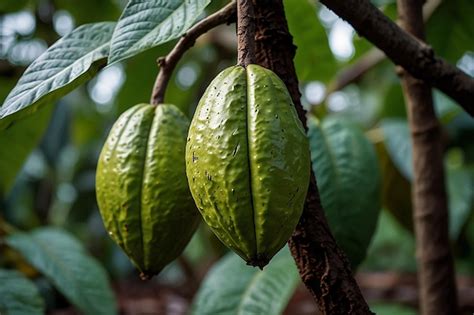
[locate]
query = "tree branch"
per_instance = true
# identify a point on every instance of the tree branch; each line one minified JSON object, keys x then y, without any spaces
{"x":370,"y":59}
{"x":323,"y":266}
{"x":430,"y":212}
{"x":405,"y":50}
{"x":167,"y":64}
{"x":245,"y":33}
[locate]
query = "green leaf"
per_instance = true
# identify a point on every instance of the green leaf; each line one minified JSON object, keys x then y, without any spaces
{"x":392,"y":309}
{"x":18,"y":295}
{"x":72,"y":60}
{"x":20,"y":140}
{"x":461,"y":189}
{"x":314,"y":59}
{"x":346,"y":167}
{"x":145,"y":24}
{"x":451,"y":29}
{"x":62,"y":259}
{"x":232,"y":288}
{"x":398,"y":144}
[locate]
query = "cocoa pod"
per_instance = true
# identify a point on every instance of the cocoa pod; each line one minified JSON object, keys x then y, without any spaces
{"x":141,"y":186}
{"x":248,"y":162}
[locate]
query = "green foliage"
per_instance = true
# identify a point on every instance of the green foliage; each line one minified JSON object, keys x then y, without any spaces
{"x":345,"y":164}
{"x":451,"y":29}
{"x":314,"y":59}
{"x":70,"y":62}
{"x":232,"y":288}
{"x":20,"y":139}
{"x":146,"y":24}
{"x":459,"y":179}
{"x":18,"y":295}
{"x":64,"y":261}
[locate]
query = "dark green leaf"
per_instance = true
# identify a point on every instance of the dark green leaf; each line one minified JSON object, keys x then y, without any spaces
{"x":71,"y":61}
{"x":451,"y":29}
{"x":232,"y":288}
{"x":18,"y":295}
{"x":345,"y":164}
{"x":62,"y":259}
{"x":145,"y":24}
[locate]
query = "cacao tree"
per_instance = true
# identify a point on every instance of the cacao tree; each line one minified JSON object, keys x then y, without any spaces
{"x":261,"y":131}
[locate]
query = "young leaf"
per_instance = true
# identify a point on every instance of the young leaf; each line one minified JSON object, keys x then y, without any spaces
{"x":145,"y":24}
{"x":232,"y":288}
{"x":345,"y":164}
{"x":72,"y":60}
{"x":18,"y":295}
{"x":62,"y":259}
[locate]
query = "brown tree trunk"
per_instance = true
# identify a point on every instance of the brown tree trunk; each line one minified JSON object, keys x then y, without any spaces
{"x":323,"y":266}
{"x":435,"y":262}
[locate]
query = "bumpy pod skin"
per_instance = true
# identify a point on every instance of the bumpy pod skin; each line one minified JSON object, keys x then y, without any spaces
{"x":141,"y":186}
{"x":248,"y":162}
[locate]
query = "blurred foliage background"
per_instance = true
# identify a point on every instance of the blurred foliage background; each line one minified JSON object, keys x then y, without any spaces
{"x":53,"y":185}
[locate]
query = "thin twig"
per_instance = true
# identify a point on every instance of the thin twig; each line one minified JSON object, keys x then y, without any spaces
{"x":245,"y":32}
{"x":167,"y":64}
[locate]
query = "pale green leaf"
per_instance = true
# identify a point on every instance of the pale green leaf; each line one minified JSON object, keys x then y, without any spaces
{"x":72,"y":60}
{"x":64,"y":261}
{"x":233,"y":288}
{"x":18,"y":295}
{"x":314,"y":59}
{"x":148,"y":23}
{"x":348,"y":176}
{"x":20,"y":139}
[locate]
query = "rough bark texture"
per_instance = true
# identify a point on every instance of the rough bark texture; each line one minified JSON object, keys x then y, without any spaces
{"x":404,"y":50}
{"x":435,"y":262}
{"x":245,"y":32}
{"x":324,"y":268}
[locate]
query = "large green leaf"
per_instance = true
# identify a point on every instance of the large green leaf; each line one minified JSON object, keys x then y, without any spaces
{"x":398,"y":144}
{"x":451,"y":29}
{"x":20,"y":139}
{"x":232,"y":288}
{"x":145,"y":24}
{"x":460,"y":190}
{"x":347,"y":172}
{"x":314,"y":59}
{"x":72,"y":60}
{"x":62,"y":259}
{"x":459,"y":185}
{"x":18,"y":295}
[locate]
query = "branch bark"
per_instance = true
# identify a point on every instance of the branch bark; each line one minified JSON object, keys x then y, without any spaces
{"x":167,"y":64}
{"x":405,"y":50}
{"x":245,"y":32}
{"x":323,"y":266}
{"x":435,"y":262}
{"x":370,"y":59}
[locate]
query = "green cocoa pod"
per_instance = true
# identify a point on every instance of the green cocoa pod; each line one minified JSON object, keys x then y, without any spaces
{"x":141,"y":185}
{"x":248,"y":162}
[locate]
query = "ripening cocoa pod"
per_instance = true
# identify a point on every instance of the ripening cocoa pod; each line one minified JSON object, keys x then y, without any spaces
{"x":141,"y":185}
{"x":248,"y":162}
